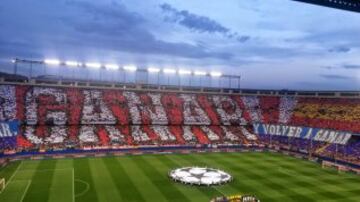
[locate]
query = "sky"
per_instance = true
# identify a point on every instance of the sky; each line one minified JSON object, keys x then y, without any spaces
{"x":272,"y":44}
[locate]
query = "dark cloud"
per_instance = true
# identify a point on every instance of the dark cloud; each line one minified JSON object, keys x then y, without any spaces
{"x":340,"y":49}
{"x":344,"y":66}
{"x":328,"y":67}
{"x":350,"y":66}
{"x":339,"y":40}
{"x":113,"y":26}
{"x":198,"y":23}
{"x":335,"y":76}
{"x":12,"y":48}
{"x":111,"y":11}
{"x":243,"y":38}
{"x":193,"y":21}
{"x":79,"y":28}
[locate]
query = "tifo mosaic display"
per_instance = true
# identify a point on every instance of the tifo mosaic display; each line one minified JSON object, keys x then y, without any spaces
{"x":60,"y":118}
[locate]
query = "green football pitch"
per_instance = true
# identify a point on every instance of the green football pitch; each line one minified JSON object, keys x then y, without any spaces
{"x":271,"y":177}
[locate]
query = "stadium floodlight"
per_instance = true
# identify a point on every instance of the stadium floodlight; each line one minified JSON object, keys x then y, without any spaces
{"x":169,"y":71}
{"x":112,"y":66}
{"x":130,"y":68}
{"x":72,"y":63}
{"x":93,"y":65}
{"x":183,"y":71}
{"x":215,"y":74}
{"x":200,"y":73}
{"x":153,"y":70}
{"x":52,"y":62}
{"x":13,"y":61}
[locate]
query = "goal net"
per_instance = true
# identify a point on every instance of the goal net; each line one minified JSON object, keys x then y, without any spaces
{"x":339,"y":168}
{"x":2,"y":184}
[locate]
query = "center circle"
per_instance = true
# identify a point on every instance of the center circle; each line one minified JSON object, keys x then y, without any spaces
{"x":200,"y":176}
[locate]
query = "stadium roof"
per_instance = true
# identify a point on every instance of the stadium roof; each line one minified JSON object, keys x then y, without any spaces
{"x":350,"y":5}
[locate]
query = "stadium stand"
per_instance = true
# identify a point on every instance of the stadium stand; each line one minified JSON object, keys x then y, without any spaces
{"x":58,"y":118}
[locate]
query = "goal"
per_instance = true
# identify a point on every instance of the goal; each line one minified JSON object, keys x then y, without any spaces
{"x":2,"y":184}
{"x":339,"y":168}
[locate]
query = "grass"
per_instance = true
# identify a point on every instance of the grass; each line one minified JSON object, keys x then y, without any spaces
{"x":272,"y":177}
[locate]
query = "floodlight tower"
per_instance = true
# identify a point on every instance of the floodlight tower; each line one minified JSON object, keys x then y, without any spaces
{"x":154,"y":70}
{"x":169,"y":72}
{"x":179,"y":73}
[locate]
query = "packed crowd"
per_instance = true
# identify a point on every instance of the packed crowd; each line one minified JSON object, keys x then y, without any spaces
{"x":117,"y":135}
{"x":7,"y":103}
{"x":53,"y":117}
{"x":339,"y":114}
{"x":72,"y":106}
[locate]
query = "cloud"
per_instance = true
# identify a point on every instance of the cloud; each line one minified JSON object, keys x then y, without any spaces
{"x":350,"y":66}
{"x":111,"y":11}
{"x":199,"y":23}
{"x":337,"y":40}
{"x":112,"y":26}
{"x":335,"y":76}
{"x":15,"y":48}
{"x":340,"y":49}
{"x":344,"y":66}
{"x":193,"y":21}
{"x":328,"y":67}
{"x":243,"y":38}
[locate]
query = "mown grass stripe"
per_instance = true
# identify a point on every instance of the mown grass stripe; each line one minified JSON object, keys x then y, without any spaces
{"x":240,"y":185}
{"x":9,"y":170}
{"x":83,"y":173}
{"x":255,"y":184}
{"x":39,"y":189}
{"x":148,"y":190}
{"x":212,"y":162}
{"x":272,"y":177}
{"x":128,"y":191}
{"x":62,"y":182}
{"x":160,"y":180}
{"x":15,"y":191}
{"x":190,"y":191}
{"x":297,"y":191}
{"x":302,"y":180}
{"x":103,"y":182}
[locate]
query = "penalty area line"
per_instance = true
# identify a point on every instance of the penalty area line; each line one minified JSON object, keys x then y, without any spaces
{"x":26,"y":190}
{"x":44,"y":170}
{"x":85,"y":190}
{"x":13,"y":175}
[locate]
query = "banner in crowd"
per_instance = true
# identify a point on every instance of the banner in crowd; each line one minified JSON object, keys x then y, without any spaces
{"x":316,"y":134}
{"x":8,"y":133}
{"x":8,"y":129}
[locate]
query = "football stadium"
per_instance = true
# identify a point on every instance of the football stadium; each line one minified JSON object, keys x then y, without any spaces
{"x":162,"y":120}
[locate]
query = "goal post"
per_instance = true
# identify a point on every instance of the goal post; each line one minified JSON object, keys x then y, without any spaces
{"x":2,"y":184}
{"x":339,"y":168}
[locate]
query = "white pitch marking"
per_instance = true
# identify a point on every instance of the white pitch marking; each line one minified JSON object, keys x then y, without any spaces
{"x":73,"y":184}
{"x":13,"y":175}
{"x":26,"y":189}
{"x":219,"y":191}
{"x":43,"y":170}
